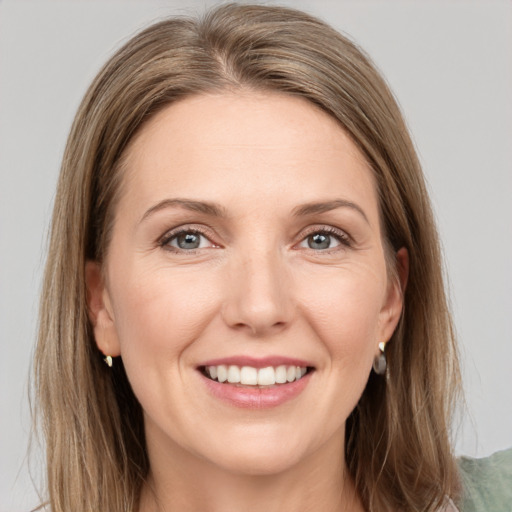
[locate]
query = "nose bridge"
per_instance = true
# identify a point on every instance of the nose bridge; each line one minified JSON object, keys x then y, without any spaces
{"x":260,"y":298}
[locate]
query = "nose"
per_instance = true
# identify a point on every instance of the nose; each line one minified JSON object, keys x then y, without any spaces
{"x":259,"y":294}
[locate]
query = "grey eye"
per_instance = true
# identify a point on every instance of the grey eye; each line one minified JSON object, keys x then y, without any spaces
{"x":319,"y":241}
{"x":187,"y":241}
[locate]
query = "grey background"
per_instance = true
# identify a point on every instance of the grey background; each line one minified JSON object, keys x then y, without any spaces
{"x":450,"y":65}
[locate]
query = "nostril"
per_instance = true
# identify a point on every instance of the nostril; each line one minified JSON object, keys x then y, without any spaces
{"x":256,"y":307}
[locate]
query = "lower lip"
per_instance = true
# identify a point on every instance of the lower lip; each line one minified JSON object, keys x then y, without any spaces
{"x":255,"y":397}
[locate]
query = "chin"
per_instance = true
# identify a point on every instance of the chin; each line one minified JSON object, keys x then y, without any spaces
{"x":260,"y":455}
{"x":263,"y":463}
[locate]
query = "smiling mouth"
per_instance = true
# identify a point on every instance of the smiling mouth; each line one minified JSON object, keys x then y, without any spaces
{"x":255,"y":377}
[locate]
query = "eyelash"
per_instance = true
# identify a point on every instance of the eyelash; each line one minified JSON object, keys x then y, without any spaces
{"x":171,"y":235}
{"x":342,"y":237}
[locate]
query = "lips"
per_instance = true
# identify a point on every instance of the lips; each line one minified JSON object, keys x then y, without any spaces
{"x":256,"y":382}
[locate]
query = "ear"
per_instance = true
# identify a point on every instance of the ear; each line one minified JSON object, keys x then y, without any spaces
{"x":100,"y":311}
{"x":392,"y":309}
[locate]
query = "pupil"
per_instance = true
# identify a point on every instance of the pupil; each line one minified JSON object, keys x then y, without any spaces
{"x":188,"y":241}
{"x":319,"y":241}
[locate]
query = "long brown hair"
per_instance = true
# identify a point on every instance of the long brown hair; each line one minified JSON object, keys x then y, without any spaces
{"x":397,"y":448}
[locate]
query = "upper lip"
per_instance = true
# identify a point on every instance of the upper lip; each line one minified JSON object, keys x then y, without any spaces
{"x":257,"y":362}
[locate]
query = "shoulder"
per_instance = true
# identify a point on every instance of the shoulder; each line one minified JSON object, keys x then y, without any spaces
{"x":487,"y":483}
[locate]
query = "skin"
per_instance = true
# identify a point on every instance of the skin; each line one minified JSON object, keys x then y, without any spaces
{"x":253,"y":287}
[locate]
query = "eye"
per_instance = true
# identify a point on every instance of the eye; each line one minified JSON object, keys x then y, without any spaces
{"x":320,"y":241}
{"x":325,"y":239}
{"x":186,"y":240}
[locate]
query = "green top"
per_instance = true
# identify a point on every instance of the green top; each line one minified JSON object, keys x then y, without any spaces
{"x":487,"y":483}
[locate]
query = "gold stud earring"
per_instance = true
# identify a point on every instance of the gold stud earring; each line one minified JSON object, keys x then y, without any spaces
{"x":379,"y":363}
{"x":108,"y":360}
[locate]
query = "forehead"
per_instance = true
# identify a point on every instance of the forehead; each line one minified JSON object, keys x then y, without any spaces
{"x":248,"y":144}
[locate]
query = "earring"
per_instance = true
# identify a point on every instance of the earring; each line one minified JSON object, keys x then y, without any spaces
{"x":108,"y":360}
{"x":379,"y":363}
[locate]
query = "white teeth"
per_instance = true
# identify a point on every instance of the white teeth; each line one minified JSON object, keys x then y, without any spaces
{"x":250,"y":376}
{"x":233,"y":374}
{"x":222,"y":373}
{"x":266,"y":376}
{"x":281,"y":374}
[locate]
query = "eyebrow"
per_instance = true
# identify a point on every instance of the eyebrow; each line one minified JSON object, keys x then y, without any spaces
{"x":216,"y":210}
{"x":327,"y":206}
{"x":205,"y":207}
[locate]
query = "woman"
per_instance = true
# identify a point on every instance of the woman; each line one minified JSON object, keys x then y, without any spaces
{"x":241,"y":231}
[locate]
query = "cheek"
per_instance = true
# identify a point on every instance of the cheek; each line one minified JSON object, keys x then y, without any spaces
{"x":344,"y":309}
{"x":159,"y":312}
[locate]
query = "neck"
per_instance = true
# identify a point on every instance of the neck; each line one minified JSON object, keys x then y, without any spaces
{"x":179,"y":481}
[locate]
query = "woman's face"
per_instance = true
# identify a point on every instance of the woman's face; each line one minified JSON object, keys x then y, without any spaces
{"x":246,"y":245}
